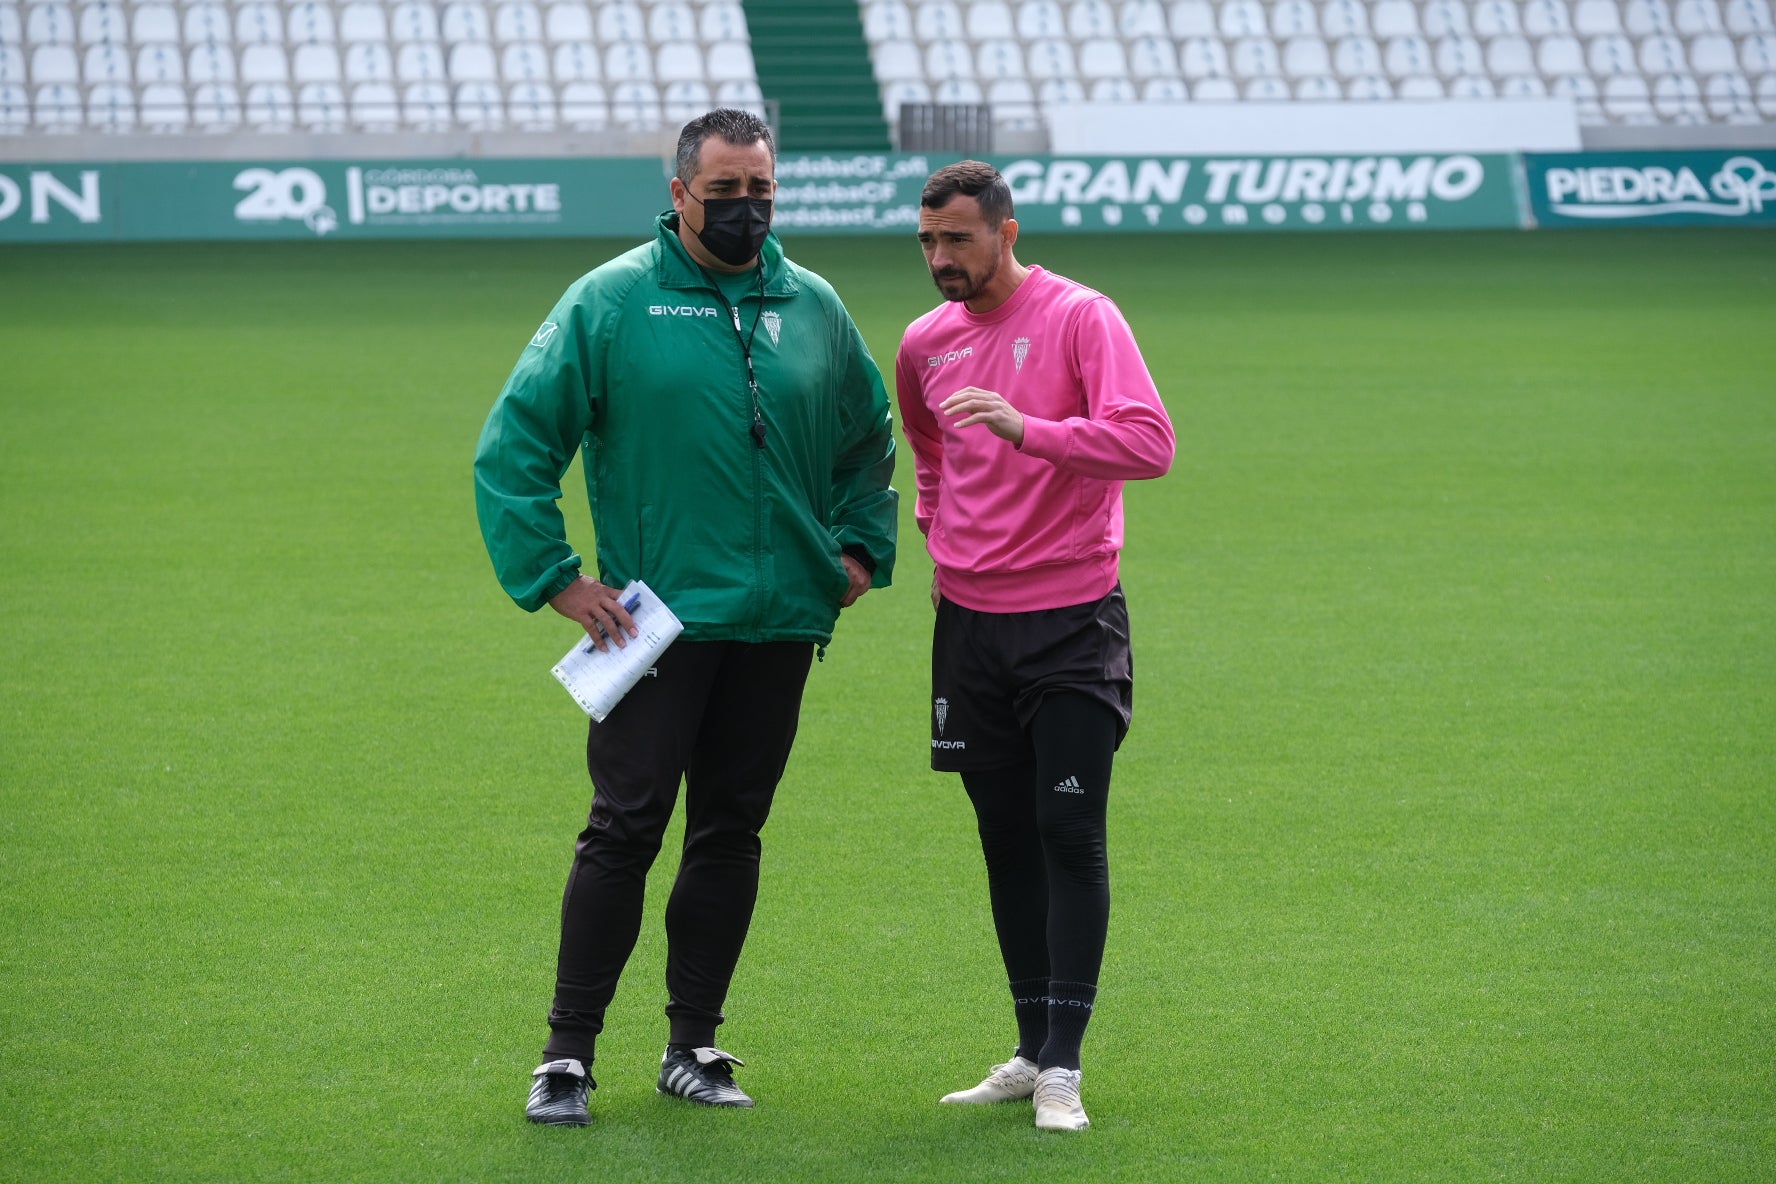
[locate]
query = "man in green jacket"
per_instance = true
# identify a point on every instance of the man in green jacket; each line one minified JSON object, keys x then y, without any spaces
{"x":744,"y":476}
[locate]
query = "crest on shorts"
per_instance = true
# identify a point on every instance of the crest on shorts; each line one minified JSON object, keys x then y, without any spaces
{"x":943,"y":713}
{"x":773,"y":324}
{"x":1020,"y":349}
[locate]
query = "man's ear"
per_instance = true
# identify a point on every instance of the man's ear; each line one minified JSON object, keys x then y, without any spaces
{"x":678,"y":195}
{"x":1008,"y":231}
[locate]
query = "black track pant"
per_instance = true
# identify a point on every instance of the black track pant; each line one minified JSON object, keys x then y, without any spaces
{"x":721,"y":715}
{"x":1042,"y":831}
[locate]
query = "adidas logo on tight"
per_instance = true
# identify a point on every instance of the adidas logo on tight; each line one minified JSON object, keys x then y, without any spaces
{"x":1070,"y":785}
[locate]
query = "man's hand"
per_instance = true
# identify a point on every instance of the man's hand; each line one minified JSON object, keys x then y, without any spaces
{"x":598,"y":609}
{"x":860,"y":581}
{"x":988,"y":407}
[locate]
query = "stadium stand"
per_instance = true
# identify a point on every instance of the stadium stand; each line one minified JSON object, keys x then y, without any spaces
{"x":388,"y":67}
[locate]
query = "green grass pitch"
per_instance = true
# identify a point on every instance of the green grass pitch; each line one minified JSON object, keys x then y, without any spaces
{"x":1444,"y":845}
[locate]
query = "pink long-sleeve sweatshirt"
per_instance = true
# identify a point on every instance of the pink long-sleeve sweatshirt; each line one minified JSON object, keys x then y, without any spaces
{"x":1017,"y":529}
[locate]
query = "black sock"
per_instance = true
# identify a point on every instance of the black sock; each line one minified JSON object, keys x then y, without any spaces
{"x":1029,"y":1000}
{"x":1069,"y":1011}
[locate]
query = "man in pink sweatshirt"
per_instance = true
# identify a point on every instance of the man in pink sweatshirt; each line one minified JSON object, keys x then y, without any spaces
{"x":1027,"y":405}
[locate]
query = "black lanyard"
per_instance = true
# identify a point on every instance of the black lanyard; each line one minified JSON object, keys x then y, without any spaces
{"x":758,"y":411}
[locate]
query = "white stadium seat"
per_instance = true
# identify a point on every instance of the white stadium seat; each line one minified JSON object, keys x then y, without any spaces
{"x":1344,"y":18}
{"x":1051,"y":59}
{"x":1523,"y":86}
{"x":310,"y":23}
{"x":1677,"y":98}
{"x":107,"y":63}
{"x":315,"y":63}
{"x":1152,"y":57}
{"x":1306,"y":57}
{"x":1060,"y":92}
{"x":1318,"y":89}
{"x":480,"y":107}
{"x":635,"y":105}
{"x":369,"y":61}
{"x":723,"y":20}
{"x":1663,"y":54}
{"x":1610,"y":55}
{"x":472,"y":61}
{"x":111,"y":107}
{"x":1509,"y":56}
{"x":1642,"y":18}
{"x":731,"y":61}
{"x":937,"y":20}
{"x":1242,"y":18}
{"x":15,"y":107}
{"x":1546,"y":18}
{"x":887,"y":20}
{"x":264,"y":63}
{"x":1408,"y":55}
{"x":12,"y":66}
{"x":1582,"y":90}
{"x":50,"y":24}
{"x":1593,"y":18}
{"x":1294,"y":18}
{"x":210,"y":63}
{"x":902,"y":91}
{"x":585,"y":106}
{"x":1460,"y":57}
{"x":1039,"y":19}
{"x":621,"y":21}
{"x":957,"y":90}
{"x":1691,"y":17}
{"x":413,"y":21}
{"x":1091,"y":19}
{"x":679,"y":61}
{"x":12,"y":33}
{"x":1560,"y":56}
{"x":1729,"y":98}
{"x":374,"y":107}
{"x":1191,"y":18}
{"x":1369,"y":88}
{"x":948,"y":59}
{"x":159,"y":62}
{"x":1757,"y":53}
{"x":1256,"y":57}
{"x":685,"y":100}
{"x":1102,"y":58}
{"x":465,"y":21}
{"x":578,"y":61}
{"x":1165,"y":90}
{"x":628,"y":61}
{"x":320,"y":107}
{"x":1445,"y":18}
{"x":525,"y":61}
{"x":419,"y":61}
{"x":996,"y":60}
{"x":520,"y":21}
{"x":1141,"y":18}
{"x":1204,"y":57}
{"x":568,"y":22}
{"x":1113,"y":90}
{"x":988,"y":20}
{"x":741,"y":93}
{"x":1356,"y":57}
{"x":1420,"y":88}
{"x":1267,"y":90}
{"x":1748,"y":16}
{"x":671,"y":21}
{"x":1627,"y":99}
{"x":1470,"y":86}
{"x":1394,"y":18}
{"x":1496,"y":18}
{"x":103,"y":23}
{"x":362,"y":22}
{"x":51,"y":64}
{"x":898,"y":61}
{"x":154,"y":23}
{"x":270,"y":107}
{"x":425,"y":106}
{"x":58,"y":107}
{"x":163,"y":108}
{"x":258,"y":24}
{"x":215,"y":107}
{"x":1215,"y":90}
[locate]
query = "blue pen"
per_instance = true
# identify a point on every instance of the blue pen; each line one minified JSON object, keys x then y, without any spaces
{"x":630,"y":605}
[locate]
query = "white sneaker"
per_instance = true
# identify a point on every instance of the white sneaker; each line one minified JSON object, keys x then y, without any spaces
{"x":1010,"y":1082}
{"x":1057,"y":1101}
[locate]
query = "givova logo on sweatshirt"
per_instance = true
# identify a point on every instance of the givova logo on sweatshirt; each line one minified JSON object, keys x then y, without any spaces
{"x":955,"y":355}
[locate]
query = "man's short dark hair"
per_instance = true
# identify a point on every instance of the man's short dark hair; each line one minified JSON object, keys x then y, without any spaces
{"x":970,"y":178}
{"x":739,"y":128}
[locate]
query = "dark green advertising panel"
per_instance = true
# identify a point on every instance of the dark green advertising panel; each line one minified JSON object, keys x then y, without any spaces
{"x":1120,"y":194}
{"x":1719,"y":188}
{"x":327,"y":199}
{"x":866,"y":194}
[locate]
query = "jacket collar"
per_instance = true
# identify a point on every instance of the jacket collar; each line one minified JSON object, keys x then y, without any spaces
{"x":678,"y":270}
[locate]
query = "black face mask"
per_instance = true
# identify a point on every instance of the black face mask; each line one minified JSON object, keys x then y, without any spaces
{"x":734,"y":228}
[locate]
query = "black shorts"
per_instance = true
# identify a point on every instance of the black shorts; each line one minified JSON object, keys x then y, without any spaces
{"x":989,"y":672}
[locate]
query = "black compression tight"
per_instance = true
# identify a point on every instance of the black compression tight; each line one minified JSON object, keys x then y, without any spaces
{"x":1042,"y":831}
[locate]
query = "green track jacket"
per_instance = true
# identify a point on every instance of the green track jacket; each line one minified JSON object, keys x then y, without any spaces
{"x":639,"y":366}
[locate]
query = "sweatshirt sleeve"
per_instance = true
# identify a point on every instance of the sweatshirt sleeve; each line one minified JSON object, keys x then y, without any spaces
{"x":922,"y":433}
{"x":537,"y":422}
{"x":1125,"y":434}
{"x":865,"y":506}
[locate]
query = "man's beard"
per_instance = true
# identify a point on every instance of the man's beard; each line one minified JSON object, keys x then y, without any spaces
{"x":970,"y":288}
